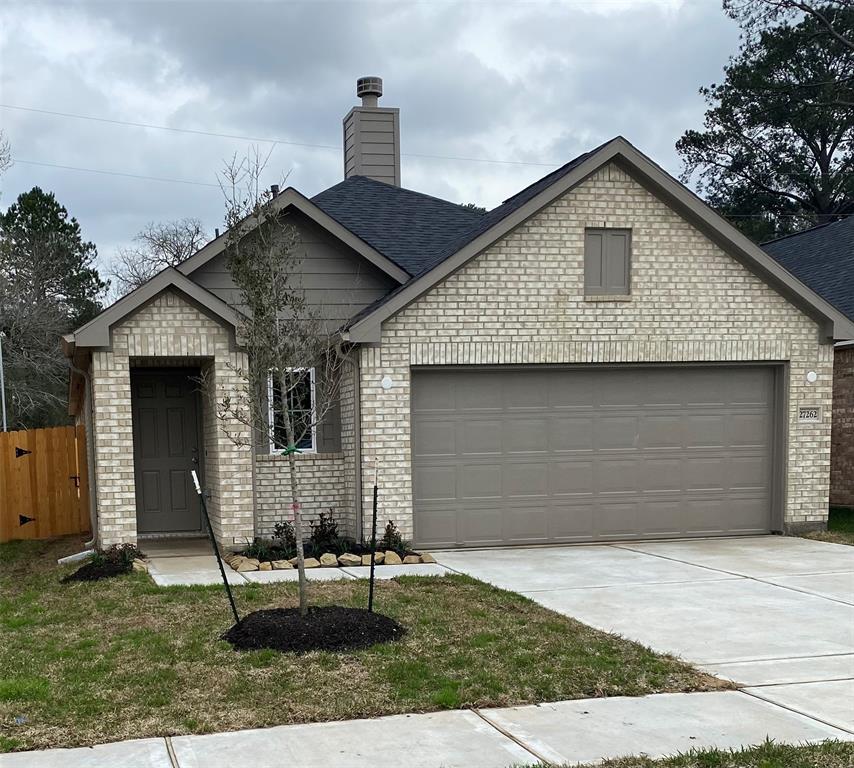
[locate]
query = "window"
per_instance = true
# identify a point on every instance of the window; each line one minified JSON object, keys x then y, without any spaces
{"x":301,"y":404}
{"x":607,"y":262}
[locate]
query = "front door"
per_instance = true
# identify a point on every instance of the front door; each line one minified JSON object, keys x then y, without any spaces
{"x":165,"y":449}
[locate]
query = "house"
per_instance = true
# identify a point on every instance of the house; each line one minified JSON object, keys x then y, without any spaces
{"x":823,"y":259}
{"x":599,"y":358}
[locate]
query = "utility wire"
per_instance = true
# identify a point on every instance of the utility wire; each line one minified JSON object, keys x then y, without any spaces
{"x":195,"y":132}
{"x":116,"y":173}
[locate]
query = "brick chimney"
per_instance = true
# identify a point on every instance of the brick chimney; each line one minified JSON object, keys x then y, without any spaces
{"x":372,"y":136}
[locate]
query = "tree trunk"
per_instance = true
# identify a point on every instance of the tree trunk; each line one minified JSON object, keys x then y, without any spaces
{"x":295,"y":500}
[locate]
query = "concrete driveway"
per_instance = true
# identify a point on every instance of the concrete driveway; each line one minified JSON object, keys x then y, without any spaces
{"x":775,"y":614}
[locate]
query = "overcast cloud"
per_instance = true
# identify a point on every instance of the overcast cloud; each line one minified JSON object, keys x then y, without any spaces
{"x":530,"y":81}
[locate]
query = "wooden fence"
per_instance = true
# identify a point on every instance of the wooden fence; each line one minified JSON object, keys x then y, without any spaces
{"x":44,"y":483}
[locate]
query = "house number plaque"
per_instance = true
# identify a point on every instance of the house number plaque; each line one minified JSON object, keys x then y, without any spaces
{"x":809,"y":414}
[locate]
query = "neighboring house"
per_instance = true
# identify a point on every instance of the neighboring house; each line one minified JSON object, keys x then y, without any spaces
{"x":823,"y":259}
{"x":601,"y":357}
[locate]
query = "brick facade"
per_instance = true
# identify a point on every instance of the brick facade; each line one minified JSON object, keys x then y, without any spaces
{"x":168,"y":331}
{"x":842,"y":437}
{"x":522,"y":301}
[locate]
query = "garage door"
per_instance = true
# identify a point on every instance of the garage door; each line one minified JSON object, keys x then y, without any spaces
{"x":522,"y":455}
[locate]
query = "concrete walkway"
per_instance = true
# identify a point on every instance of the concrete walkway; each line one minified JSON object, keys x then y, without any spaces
{"x":568,"y":732}
{"x":775,"y":614}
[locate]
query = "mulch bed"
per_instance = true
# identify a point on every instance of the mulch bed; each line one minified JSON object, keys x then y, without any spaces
{"x":330,"y":628}
{"x":96,"y":571}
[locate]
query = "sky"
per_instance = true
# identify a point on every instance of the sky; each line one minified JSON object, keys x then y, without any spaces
{"x":531,"y":84}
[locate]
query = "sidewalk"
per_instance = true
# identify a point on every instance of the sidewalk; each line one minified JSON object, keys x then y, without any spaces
{"x":567,"y":732}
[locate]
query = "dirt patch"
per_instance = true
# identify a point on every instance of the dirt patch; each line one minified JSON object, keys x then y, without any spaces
{"x":330,"y":628}
{"x":96,"y":571}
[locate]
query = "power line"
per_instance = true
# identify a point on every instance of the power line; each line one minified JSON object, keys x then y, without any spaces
{"x":117,"y":173}
{"x":214,"y":134}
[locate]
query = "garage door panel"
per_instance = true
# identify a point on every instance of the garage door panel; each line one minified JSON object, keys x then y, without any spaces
{"x":571,"y":522}
{"x":748,"y":429}
{"x":661,"y":518}
{"x":664,"y":474}
{"x":617,"y":519}
{"x":564,"y":455}
{"x":525,"y":435}
{"x":571,"y":478}
{"x":661,"y":431}
{"x":480,"y":437}
{"x":435,"y":437}
{"x":573,"y":433}
{"x":525,"y":479}
{"x":615,"y":432}
{"x":434,"y":483}
{"x":480,"y":481}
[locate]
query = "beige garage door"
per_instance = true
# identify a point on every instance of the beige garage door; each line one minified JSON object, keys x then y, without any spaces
{"x":534,"y":455}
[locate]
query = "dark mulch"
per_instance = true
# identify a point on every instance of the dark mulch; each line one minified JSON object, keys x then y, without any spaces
{"x":96,"y":571}
{"x":330,"y":628}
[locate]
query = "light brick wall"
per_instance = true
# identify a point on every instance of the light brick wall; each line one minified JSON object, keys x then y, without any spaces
{"x":163,"y":332}
{"x":842,"y":441}
{"x":522,"y":301}
{"x":327,"y":480}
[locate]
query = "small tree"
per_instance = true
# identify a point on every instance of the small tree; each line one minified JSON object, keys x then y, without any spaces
{"x":295,"y":363}
{"x":157,"y":246}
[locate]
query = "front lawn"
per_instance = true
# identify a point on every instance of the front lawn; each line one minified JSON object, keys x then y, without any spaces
{"x":840,"y":527}
{"x":84,"y":663}
{"x":830,"y":754}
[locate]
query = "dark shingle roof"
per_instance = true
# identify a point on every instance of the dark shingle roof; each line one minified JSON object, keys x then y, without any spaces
{"x":823,"y":259}
{"x":405,"y":226}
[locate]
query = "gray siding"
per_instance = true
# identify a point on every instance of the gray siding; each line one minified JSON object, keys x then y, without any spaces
{"x":336,"y":280}
{"x":372,"y":144}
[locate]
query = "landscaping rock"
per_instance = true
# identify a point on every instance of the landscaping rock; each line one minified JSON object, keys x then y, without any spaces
{"x":265,"y":566}
{"x":328,"y":560}
{"x":140,"y":565}
{"x":282,"y":565}
{"x":349,"y":559}
{"x":412,"y":559}
{"x":235,"y":561}
{"x":426,"y":557}
{"x":392,"y":558}
{"x":311,"y":562}
{"x":378,"y":559}
{"x":293,"y":561}
{"x":248,"y":564}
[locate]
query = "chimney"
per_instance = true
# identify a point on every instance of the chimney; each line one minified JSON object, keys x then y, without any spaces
{"x":372,"y":136}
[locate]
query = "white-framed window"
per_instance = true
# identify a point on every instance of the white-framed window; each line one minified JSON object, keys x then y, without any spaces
{"x":302,"y":405}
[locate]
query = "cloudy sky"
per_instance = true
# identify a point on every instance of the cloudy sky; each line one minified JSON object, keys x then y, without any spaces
{"x":530,"y":82}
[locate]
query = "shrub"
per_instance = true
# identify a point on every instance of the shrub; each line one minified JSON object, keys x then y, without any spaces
{"x":261,"y":549}
{"x":393,"y":539}
{"x":324,"y":535}
{"x":285,"y":538}
{"x":121,"y":555}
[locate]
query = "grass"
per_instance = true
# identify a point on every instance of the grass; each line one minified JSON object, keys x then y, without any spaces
{"x":840,"y":527}
{"x":85,"y":663}
{"x":830,"y":754}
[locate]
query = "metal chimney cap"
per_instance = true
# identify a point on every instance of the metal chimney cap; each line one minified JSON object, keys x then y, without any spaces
{"x":369,"y":86}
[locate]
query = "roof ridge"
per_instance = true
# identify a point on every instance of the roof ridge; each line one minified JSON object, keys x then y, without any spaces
{"x":806,"y":231}
{"x":405,"y":189}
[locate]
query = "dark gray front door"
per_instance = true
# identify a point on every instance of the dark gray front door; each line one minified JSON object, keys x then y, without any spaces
{"x":538,"y":455}
{"x":165,"y":449}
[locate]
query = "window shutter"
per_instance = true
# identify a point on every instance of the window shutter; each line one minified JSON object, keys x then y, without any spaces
{"x":607,"y":262}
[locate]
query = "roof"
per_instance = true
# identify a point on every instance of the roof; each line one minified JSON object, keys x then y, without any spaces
{"x":96,"y":333}
{"x":365,"y":326}
{"x":290,"y":198}
{"x":410,"y":228}
{"x":823,"y":259}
